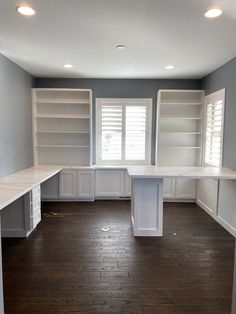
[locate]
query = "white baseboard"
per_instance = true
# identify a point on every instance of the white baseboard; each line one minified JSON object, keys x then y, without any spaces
{"x":14,"y":233}
{"x":179,"y":200}
{"x":218,"y":219}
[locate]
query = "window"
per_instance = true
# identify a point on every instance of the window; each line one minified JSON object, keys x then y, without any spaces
{"x":123,"y":131}
{"x":214,"y":120}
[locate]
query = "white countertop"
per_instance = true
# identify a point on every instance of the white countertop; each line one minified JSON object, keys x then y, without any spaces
{"x":181,"y":172}
{"x":16,"y":185}
{"x":92,"y":167}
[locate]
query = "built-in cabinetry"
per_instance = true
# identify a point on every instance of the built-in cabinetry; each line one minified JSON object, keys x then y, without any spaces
{"x":21,"y":217}
{"x":207,"y":195}
{"x":62,"y":126}
{"x":76,"y":184}
{"x":109,"y":183}
{"x":112,"y":183}
{"x":89,"y":183}
{"x":179,"y":137}
{"x":179,"y":189}
{"x":218,"y":199}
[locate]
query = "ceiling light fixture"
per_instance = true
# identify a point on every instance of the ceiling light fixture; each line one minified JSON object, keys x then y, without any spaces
{"x":24,"y":10}
{"x":120,"y":47}
{"x":169,"y":67}
{"x":212,"y":13}
{"x":68,"y":66}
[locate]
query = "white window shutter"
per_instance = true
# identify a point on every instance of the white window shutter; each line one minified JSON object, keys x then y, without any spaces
{"x":111,"y":128}
{"x":123,"y":130}
{"x":135,"y":132}
{"x":214,"y":129}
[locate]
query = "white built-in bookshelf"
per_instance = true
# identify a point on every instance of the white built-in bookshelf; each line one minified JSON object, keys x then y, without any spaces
{"x":179,"y":127}
{"x":62,"y":126}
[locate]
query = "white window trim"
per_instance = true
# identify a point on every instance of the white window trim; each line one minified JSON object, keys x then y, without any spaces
{"x":130,"y":102}
{"x":214,"y":97}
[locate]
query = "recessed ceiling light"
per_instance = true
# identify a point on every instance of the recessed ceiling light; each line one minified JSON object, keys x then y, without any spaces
{"x":169,"y":67}
{"x":68,"y":66}
{"x":120,"y":47}
{"x":213,"y":13}
{"x":24,"y":10}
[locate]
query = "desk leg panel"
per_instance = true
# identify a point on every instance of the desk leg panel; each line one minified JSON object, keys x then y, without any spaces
{"x":147,"y":207}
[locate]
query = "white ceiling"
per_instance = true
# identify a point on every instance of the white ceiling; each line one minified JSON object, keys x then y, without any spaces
{"x":85,"y":33}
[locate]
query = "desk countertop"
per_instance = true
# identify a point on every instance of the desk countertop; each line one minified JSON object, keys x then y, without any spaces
{"x":16,"y":185}
{"x":181,"y":172}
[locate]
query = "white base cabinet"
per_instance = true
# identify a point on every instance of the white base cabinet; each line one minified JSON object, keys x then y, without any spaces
{"x":109,"y":183}
{"x":179,"y":189}
{"x":186,"y":189}
{"x":169,"y":188}
{"x":76,"y":184}
{"x":85,"y":184}
{"x":67,"y":184}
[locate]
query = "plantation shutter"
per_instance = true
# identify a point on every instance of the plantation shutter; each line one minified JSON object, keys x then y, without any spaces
{"x":123,"y":130}
{"x":111,"y":125}
{"x":135,"y":132}
{"x":214,"y":130}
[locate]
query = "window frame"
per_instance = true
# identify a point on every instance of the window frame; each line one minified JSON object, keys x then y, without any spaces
{"x":124,"y":102}
{"x":216,"y":96}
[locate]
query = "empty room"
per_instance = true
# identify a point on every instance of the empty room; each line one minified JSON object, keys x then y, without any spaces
{"x":117,"y":156}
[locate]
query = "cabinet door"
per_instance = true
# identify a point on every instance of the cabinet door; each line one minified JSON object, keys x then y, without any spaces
{"x":186,"y":188}
{"x":127,"y":188}
{"x":169,"y":188}
{"x":109,"y":183}
{"x":67,"y":186}
{"x":85,"y":184}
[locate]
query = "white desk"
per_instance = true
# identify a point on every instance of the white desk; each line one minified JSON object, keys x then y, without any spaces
{"x":147,"y":196}
{"x":15,"y":186}
{"x":147,"y":193}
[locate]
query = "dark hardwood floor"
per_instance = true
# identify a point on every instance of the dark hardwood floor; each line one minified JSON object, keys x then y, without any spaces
{"x":68,"y":265}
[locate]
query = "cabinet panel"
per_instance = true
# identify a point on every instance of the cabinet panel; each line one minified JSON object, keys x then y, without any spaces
{"x":207,"y":193}
{"x":85,"y":184}
{"x":226,"y":207}
{"x":67,"y":187}
{"x":109,"y":183}
{"x":186,"y":188}
{"x":169,"y":188}
{"x":127,"y":188}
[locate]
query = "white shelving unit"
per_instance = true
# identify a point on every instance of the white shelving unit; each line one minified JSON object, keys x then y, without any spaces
{"x":179,"y":135}
{"x":62,"y":126}
{"x":179,"y":125}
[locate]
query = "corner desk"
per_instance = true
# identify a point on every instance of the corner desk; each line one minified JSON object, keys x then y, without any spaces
{"x":146,"y":200}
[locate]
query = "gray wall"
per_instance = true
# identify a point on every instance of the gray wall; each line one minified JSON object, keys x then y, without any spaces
{"x":225,"y":77}
{"x":15,"y":118}
{"x":126,"y":88}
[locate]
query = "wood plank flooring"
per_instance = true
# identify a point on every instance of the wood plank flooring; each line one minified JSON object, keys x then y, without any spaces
{"x":68,"y":265}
